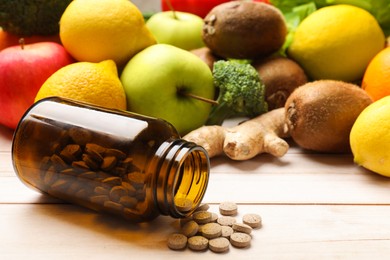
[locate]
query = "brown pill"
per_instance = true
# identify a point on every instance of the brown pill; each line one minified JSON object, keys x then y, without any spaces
{"x":240,"y":240}
{"x":198,"y":243}
{"x":211,"y":230}
{"x":190,"y":229}
{"x":219,"y":245}
{"x":241,"y":227}
{"x":202,"y":217}
{"x":226,"y":221}
{"x":228,"y":208}
{"x":252,"y":220}
{"x":177,"y":241}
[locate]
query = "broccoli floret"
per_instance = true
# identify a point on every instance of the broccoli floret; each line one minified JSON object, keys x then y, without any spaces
{"x":31,"y":17}
{"x":241,"y":92}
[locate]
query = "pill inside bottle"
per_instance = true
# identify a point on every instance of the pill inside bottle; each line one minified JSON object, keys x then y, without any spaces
{"x":110,"y":161}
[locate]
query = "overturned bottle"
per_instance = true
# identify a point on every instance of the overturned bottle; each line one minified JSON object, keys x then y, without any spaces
{"x":108,"y":160}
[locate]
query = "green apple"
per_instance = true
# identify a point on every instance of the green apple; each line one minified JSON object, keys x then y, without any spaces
{"x":180,"y":29}
{"x":158,"y":80}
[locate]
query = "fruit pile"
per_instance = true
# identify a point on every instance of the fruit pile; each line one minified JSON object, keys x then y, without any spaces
{"x":321,"y":69}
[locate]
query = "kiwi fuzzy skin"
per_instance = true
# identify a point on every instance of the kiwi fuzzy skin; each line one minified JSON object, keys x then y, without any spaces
{"x":244,"y":30}
{"x":281,"y":76}
{"x":320,"y":114}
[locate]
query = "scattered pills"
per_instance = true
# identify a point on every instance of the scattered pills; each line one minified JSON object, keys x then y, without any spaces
{"x":219,"y":245}
{"x":208,"y":230}
{"x":177,"y":241}
{"x":228,"y":208}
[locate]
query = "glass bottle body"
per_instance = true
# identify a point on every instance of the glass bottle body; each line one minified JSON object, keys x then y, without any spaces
{"x":110,"y":161}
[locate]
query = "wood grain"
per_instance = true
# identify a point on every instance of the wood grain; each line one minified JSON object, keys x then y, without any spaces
{"x":314,"y":206}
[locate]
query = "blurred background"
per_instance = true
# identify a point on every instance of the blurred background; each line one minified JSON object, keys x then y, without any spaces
{"x":148,"y":5}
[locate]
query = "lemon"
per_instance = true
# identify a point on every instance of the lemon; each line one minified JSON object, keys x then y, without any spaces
{"x":96,"y":83}
{"x":94,"y":31}
{"x":370,"y":137}
{"x":337,"y":42}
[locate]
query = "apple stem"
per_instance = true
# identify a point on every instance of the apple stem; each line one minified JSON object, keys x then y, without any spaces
{"x":207,"y":100}
{"x":169,"y":4}
{"x":21,"y":42}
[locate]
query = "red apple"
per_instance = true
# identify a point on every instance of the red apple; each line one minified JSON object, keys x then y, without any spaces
{"x":23,"y":69}
{"x":8,"y":39}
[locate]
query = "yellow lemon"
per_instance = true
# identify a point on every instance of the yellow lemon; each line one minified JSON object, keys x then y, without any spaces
{"x":94,"y":31}
{"x":95,"y":83}
{"x":370,"y":137}
{"x":337,"y":42}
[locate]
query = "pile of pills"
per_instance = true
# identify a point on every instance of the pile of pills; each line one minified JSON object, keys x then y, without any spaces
{"x":208,"y":230}
{"x":89,"y":173}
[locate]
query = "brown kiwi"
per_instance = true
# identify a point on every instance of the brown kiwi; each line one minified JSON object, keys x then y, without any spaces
{"x":281,"y":76}
{"x":320,"y":114}
{"x":206,"y":55}
{"x":244,"y":30}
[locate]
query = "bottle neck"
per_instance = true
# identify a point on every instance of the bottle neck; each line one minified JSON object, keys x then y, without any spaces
{"x":182,"y":176}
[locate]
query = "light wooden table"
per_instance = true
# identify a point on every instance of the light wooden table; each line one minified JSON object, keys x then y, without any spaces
{"x":314,"y":206}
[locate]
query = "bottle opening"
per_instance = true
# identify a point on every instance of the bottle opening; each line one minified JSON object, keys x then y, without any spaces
{"x":183,"y":178}
{"x":191,"y":182}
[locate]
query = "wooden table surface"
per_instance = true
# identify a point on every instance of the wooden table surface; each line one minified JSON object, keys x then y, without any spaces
{"x":313,"y":206}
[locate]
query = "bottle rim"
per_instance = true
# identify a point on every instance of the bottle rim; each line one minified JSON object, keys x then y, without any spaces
{"x":183,"y":177}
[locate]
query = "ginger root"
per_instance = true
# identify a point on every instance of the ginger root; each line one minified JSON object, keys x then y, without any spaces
{"x":262,"y":134}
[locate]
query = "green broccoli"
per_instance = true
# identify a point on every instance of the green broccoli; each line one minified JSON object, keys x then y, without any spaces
{"x":241,"y":92}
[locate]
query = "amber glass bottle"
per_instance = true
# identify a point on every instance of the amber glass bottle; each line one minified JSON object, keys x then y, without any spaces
{"x":109,"y":160}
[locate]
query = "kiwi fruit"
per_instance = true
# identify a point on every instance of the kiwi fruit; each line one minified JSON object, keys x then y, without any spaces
{"x":281,"y":76}
{"x":320,"y":114}
{"x":244,"y":29}
{"x":206,"y":55}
